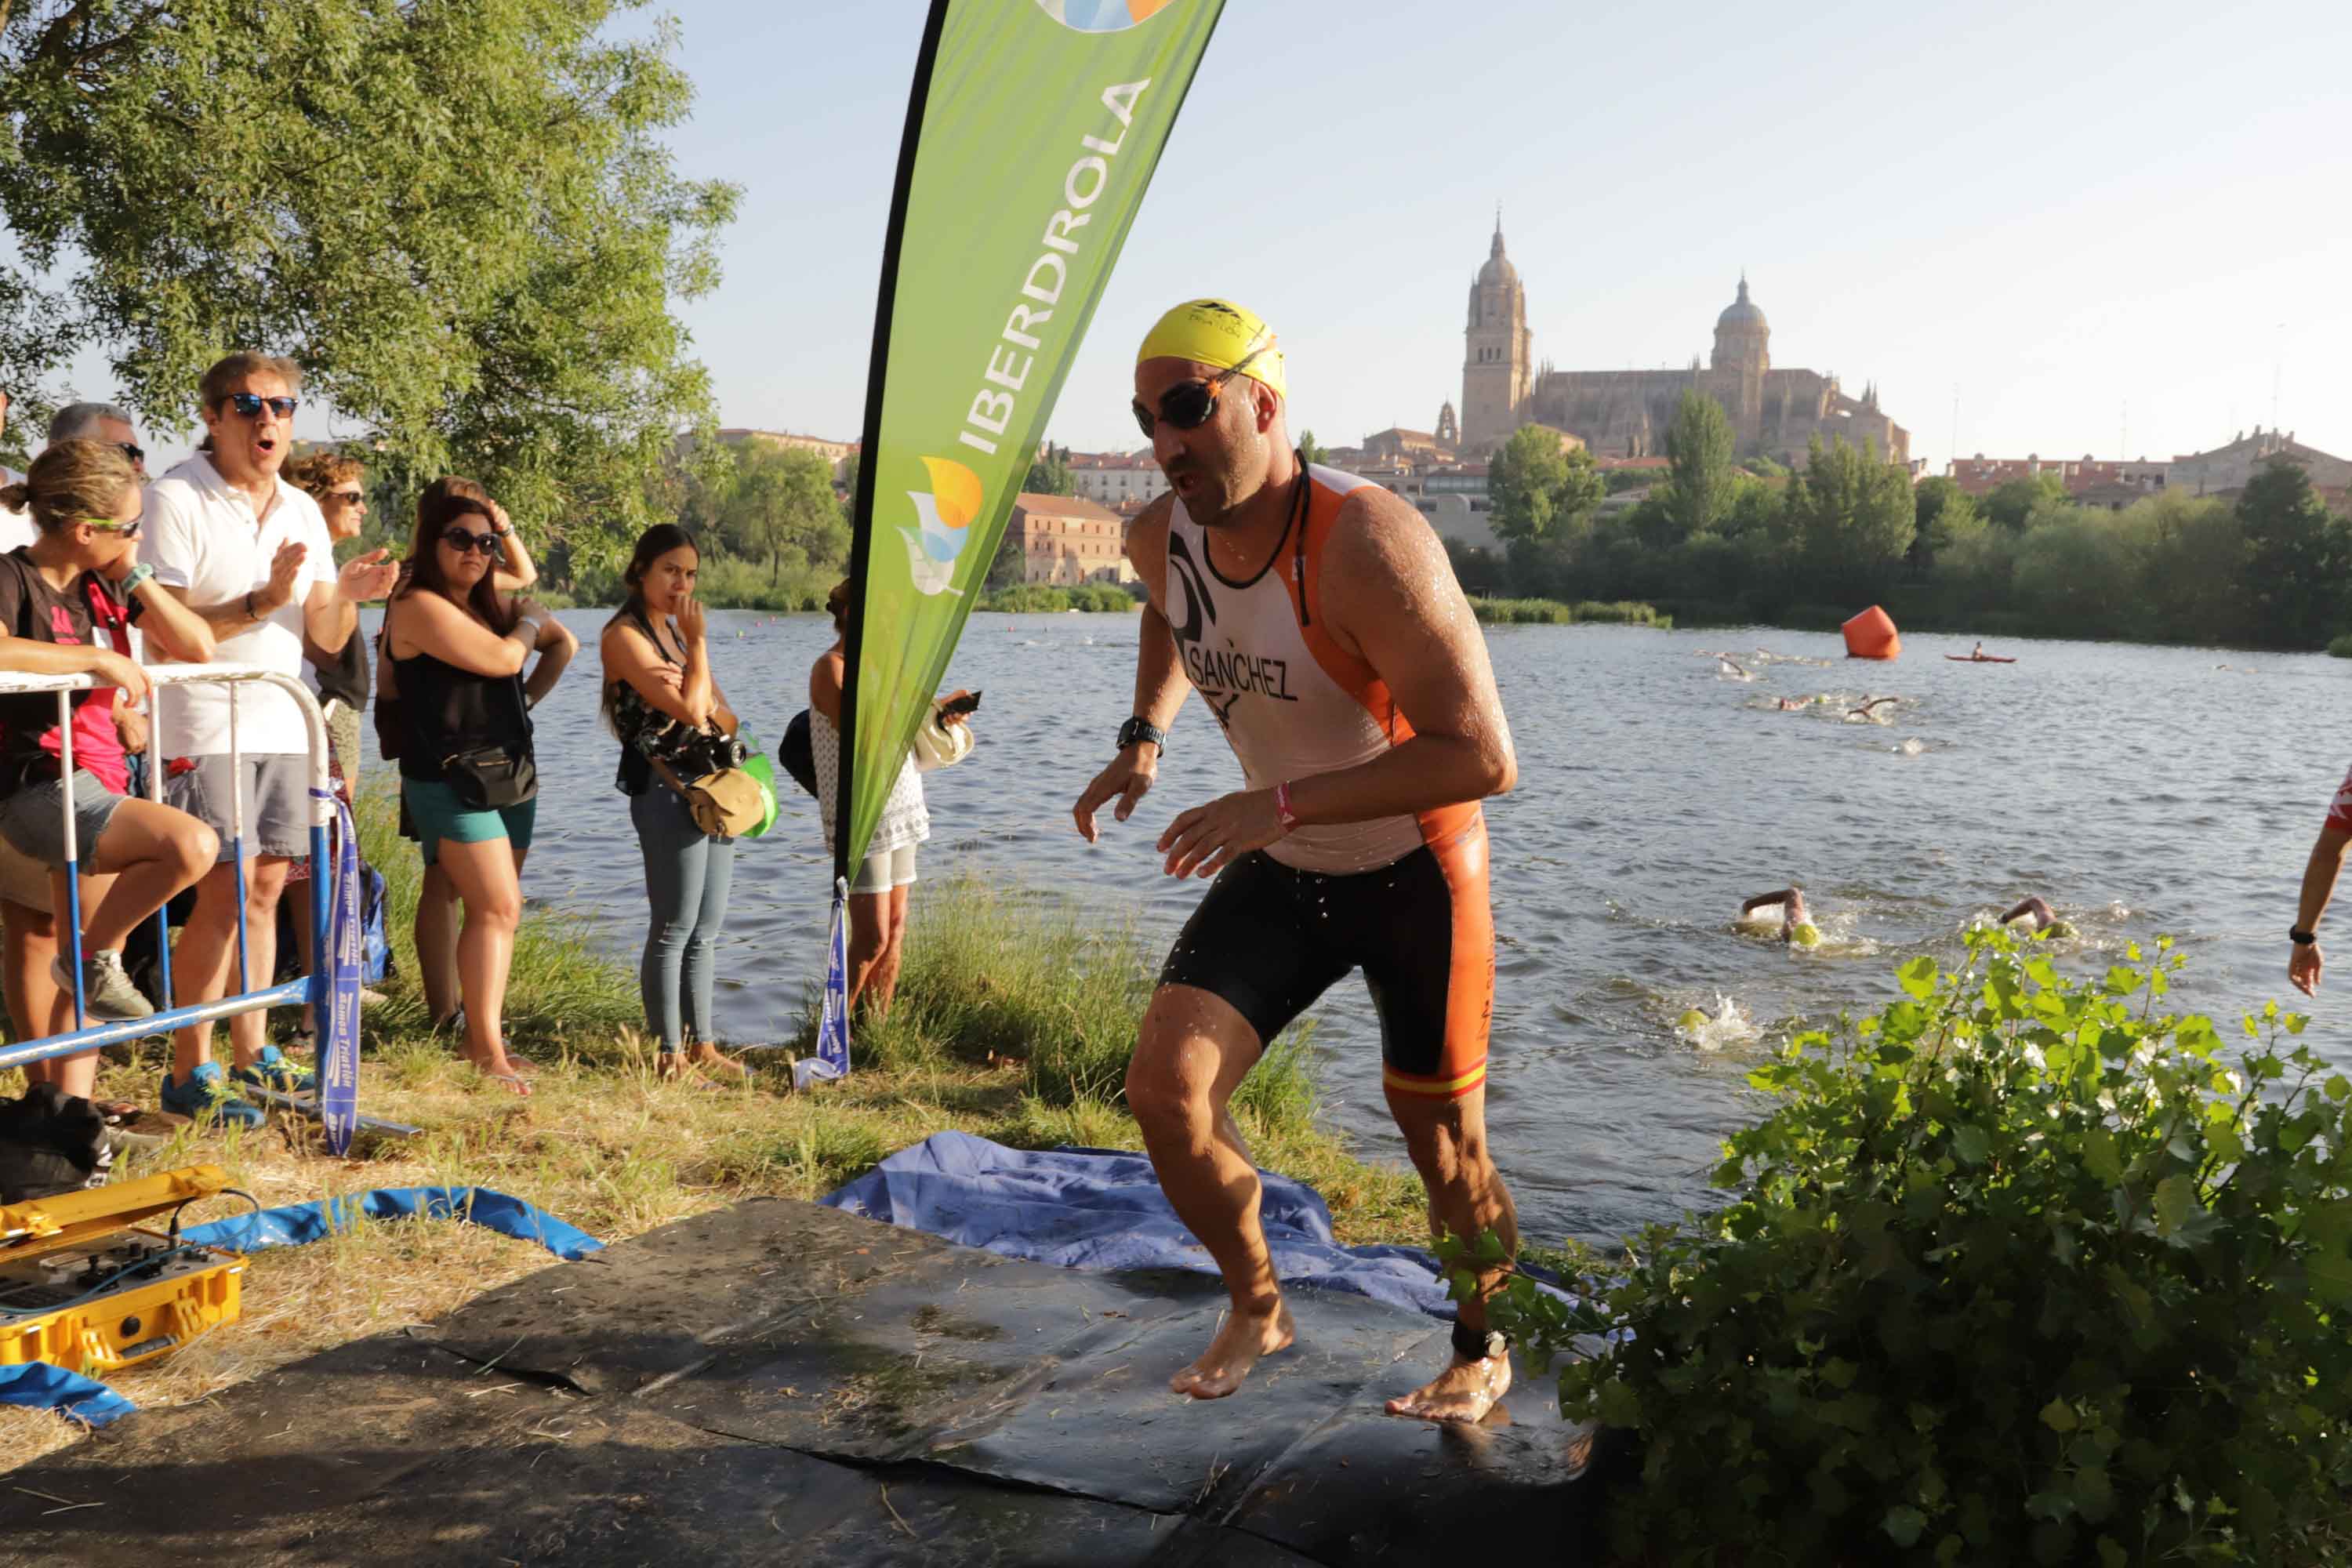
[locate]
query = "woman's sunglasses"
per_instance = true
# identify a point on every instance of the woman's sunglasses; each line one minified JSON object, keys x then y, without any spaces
{"x":461,"y":539}
{"x":108,"y":525}
{"x":132,"y":450}
{"x":249,"y":405}
{"x":1189,"y":405}
{"x":348,"y":498}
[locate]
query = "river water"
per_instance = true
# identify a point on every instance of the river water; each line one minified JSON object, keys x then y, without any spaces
{"x":2141,"y":790}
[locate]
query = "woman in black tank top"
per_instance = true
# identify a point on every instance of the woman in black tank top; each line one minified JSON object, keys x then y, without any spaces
{"x":458,"y":648}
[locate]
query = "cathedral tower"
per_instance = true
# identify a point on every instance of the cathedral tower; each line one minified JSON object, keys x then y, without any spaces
{"x":1498,"y":351}
{"x":1743,"y":346}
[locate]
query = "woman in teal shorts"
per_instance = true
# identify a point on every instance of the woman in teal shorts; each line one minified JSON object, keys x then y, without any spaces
{"x":457,"y":647}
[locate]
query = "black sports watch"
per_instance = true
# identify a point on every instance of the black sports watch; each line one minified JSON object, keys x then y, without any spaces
{"x":2300,"y":937}
{"x":1138,"y":730}
{"x":1471,"y":1346}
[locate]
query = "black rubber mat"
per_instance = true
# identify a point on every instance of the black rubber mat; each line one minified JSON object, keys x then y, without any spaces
{"x":780,"y":1383}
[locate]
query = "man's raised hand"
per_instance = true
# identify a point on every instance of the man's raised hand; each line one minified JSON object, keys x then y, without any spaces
{"x":284,"y":567}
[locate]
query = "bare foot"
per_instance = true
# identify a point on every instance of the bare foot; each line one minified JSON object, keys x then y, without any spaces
{"x":726,"y":1069}
{"x":1464,"y":1390}
{"x":499,"y":1069}
{"x":1241,"y":1340}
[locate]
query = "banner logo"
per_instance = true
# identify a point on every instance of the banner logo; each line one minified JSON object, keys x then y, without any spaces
{"x":1102,"y":16}
{"x":944,"y":516}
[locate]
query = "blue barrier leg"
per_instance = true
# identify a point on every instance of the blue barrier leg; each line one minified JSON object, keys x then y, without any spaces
{"x":73,"y":854}
{"x":73,"y":914}
{"x":236,"y":848}
{"x":163,"y":952}
{"x":322,"y":864}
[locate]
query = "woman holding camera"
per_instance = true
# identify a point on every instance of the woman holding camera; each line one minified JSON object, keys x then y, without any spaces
{"x":884,"y":881}
{"x":658,"y":695}
{"x":468,"y":777}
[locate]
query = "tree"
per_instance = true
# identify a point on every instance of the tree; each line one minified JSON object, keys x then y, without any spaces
{"x":1945,"y":513}
{"x":1311,"y":450}
{"x":1853,"y":515}
{"x":2298,"y":559}
{"x":1050,"y":474}
{"x":1700,"y":447}
{"x":2013,"y":500}
{"x":1535,"y":489}
{"x":781,"y":505}
{"x":460,"y":217}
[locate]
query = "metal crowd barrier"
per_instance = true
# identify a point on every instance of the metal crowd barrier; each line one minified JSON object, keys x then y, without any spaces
{"x":311,"y":988}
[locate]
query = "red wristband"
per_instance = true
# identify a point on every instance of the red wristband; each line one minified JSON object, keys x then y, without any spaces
{"x":1282,"y":807}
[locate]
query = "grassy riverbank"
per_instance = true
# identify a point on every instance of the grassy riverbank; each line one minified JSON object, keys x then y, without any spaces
{"x":1560,"y":612}
{"x":1038,"y":599}
{"x":1014,"y":1020}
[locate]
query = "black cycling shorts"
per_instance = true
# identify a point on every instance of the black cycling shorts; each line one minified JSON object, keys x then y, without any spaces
{"x":1269,"y":939}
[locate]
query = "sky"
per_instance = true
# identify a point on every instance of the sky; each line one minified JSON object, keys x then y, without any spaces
{"x":2063,"y":227}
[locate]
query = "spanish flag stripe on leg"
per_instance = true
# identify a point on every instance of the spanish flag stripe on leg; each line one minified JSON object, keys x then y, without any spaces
{"x":1452,"y":1088}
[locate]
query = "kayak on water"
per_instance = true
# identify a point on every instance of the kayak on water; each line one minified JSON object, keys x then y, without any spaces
{"x":1977,"y":658}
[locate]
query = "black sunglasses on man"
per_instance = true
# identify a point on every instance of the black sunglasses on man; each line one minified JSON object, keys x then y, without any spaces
{"x":248,"y":405}
{"x":1189,"y":405}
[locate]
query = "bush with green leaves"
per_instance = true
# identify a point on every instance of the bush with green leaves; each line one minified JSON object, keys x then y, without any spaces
{"x":2021,"y":1270}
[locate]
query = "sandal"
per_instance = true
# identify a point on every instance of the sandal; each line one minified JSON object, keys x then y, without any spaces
{"x":513,"y":1081}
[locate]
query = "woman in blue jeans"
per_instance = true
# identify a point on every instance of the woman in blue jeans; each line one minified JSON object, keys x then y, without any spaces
{"x":657,"y":672}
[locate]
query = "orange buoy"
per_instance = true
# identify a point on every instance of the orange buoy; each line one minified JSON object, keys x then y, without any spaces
{"x":1872,"y":634}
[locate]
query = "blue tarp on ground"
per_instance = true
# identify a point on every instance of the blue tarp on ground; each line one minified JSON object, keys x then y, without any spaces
{"x":1100,"y":1208}
{"x":38,"y":1386}
{"x":299,"y":1223}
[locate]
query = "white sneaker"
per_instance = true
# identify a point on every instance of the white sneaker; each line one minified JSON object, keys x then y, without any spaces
{"x":106,"y":992}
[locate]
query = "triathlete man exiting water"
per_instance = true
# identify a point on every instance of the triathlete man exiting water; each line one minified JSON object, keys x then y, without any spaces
{"x":1319,"y":618}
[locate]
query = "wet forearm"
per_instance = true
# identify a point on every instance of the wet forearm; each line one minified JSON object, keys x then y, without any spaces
{"x":1423,"y":773}
{"x":2319,"y":875}
{"x":1160,"y":683}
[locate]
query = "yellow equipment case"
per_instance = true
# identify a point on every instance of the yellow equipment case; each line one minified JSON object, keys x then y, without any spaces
{"x":83,"y":1286}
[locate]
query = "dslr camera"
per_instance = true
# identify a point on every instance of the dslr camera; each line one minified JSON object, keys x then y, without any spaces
{"x":691,"y":753}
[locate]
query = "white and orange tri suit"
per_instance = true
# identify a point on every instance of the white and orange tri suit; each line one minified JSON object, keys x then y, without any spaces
{"x":1402,"y":898}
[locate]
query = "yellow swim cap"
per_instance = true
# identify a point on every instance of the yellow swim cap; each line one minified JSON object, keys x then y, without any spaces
{"x":1220,"y":333}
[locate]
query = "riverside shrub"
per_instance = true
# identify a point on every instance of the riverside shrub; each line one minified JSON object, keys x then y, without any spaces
{"x":2020,"y":1271}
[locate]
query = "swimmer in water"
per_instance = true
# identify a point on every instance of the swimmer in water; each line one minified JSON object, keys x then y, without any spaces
{"x":1730,"y":668}
{"x":1795,"y":704}
{"x":1867,"y":712}
{"x":1795,"y":929}
{"x":2037,"y":909}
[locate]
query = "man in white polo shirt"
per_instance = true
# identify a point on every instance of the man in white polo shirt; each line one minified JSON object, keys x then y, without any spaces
{"x":250,"y":553}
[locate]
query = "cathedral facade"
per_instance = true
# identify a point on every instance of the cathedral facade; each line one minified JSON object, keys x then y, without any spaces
{"x":1627,"y":412}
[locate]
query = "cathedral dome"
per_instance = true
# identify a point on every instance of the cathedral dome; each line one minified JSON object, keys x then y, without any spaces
{"x":1498,"y":268}
{"x":1741,"y":313}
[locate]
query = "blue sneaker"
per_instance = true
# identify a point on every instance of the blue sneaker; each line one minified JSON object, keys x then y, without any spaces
{"x":274,"y":1070}
{"x":206,"y":1096}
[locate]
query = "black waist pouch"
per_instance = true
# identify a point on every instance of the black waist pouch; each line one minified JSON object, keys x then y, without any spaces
{"x":488,"y":777}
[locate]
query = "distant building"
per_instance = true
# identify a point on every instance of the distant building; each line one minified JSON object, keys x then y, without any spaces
{"x":1626,"y":413}
{"x":1068,"y":540}
{"x":2113,"y":484}
{"x":2224,"y":470}
{"x":1111,"y":478}
{"x":1413,"y":446}
{"x":1981,"y":475}
{"x":837,"y":454}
